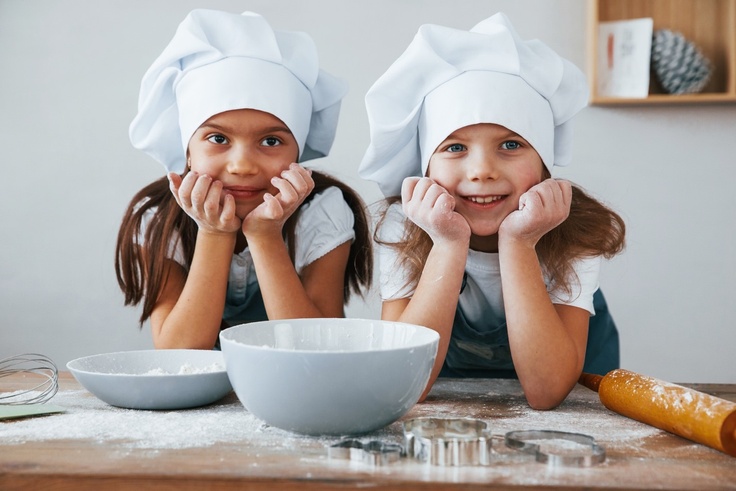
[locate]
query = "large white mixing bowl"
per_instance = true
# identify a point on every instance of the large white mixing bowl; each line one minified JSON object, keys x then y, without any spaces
{"x":329,"y":376}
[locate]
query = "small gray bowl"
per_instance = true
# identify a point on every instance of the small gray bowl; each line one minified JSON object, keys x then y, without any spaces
{"x":154,"y":379}
{"x":329,"y":376}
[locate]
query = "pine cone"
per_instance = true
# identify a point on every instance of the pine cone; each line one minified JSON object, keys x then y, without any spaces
{"x":678,"y":64}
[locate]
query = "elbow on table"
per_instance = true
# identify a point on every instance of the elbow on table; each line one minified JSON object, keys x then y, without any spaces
{"x":543,"y":404}
{"x":545,"y":400}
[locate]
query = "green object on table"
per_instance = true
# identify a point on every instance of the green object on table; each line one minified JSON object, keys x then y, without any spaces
{"x":27,"y":410}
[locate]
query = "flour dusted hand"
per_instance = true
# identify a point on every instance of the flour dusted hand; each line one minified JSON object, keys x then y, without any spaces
{"x":294,"y":186}
{"x":432,"y":208}
{"x":201,"y":198}
{"x":542,"y":208}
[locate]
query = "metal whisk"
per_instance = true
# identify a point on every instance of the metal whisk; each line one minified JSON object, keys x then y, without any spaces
{"x":31,"y":363}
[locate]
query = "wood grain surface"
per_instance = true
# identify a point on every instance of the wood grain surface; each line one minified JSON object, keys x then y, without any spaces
{"x":638,"y":457}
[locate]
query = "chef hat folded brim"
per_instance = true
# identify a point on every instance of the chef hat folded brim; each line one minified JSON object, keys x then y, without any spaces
{"x":219,"y":87}
{"x":449,"y":78}
{"x":491,"y":97}
{"x":217,"y":62}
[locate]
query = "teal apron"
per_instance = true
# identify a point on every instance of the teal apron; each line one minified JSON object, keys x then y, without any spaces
{"x":243,"y":312}
{"x":482,"y":350}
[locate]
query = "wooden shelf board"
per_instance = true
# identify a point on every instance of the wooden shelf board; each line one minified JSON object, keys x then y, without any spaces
{"x":664,"y":99}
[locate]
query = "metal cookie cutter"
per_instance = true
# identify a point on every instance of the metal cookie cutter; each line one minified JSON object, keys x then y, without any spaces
{"x":593,"y":455}
{"x":448,"y":442}
{"x":371,"y":453}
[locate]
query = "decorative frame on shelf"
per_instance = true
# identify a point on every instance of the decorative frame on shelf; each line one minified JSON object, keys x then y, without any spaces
{"x":710,"y":24}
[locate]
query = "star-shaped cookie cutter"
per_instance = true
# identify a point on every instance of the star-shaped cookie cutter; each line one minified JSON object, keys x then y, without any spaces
{"x":593,"y":453}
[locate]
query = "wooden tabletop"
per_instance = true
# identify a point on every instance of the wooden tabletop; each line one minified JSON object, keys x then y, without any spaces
{"x":222,"y":446}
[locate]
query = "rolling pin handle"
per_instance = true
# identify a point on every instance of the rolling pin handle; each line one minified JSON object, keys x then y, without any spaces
{"x":590,"y":380}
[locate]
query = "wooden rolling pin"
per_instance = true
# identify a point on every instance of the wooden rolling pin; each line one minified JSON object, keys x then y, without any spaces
{"x":688,"y":413}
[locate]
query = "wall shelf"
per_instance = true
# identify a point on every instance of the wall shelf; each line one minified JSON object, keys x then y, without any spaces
{"x":710,"y":24}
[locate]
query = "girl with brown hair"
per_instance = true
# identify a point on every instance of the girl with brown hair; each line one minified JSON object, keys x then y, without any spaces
{"x":238,"y":231}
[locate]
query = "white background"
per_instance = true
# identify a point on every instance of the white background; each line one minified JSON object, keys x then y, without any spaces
{"x":68,"y":91}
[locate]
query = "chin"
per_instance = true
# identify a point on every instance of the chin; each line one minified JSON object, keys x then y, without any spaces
{"x":484,"y":230}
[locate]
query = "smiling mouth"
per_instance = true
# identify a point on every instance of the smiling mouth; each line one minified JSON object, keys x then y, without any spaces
{"x":484,"y":200}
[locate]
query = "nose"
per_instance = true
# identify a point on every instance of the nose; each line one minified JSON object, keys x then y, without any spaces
{"x":241,"y":161}
{"x":481,"y":165}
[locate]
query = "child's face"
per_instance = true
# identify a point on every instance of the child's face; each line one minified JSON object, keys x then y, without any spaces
{"x":486,"y":168}
{"x":243,"y":149}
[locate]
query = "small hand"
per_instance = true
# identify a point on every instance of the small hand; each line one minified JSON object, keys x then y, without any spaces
{"x":541,"y":209}
{"x":432,"y":208}
{"x":294,"y":186}
{"x":201,"y":198}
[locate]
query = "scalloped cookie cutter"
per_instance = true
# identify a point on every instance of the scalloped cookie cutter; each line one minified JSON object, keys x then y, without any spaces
{"x":372,"y":453}
{"x":448,"y":441}
{"x":593,"y":453}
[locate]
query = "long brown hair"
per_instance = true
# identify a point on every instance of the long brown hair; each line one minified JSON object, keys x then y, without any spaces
{"x":139,"y":267}
{"x":591,"y":229}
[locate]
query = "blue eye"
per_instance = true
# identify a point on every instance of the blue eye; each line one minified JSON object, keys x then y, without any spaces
{"x":455,"y":147}
{"x":511,"y":145}
{"x":217,"y":139}
{"x":271,"y":141}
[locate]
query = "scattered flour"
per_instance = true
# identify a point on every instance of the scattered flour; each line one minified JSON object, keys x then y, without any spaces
{"x":88,"y":418}
{"x":506,"y":409}
{"x":227,"y":421}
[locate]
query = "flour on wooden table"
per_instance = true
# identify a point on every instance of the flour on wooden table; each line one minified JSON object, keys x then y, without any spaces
{"x":227,"y":421}
{"x":507,"y":410}
{"x":87,"y":418}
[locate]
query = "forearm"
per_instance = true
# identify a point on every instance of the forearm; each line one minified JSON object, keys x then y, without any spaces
{"x":434,"y":301}
{"x":282,"y":290}
{"x":546,"y":356}
{"x":195,"y":316}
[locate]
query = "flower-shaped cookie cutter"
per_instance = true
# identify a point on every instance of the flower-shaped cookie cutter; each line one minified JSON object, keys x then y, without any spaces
{"x":372,"y":453}
{"x":448,"y":441}
{"x":590,"y":455}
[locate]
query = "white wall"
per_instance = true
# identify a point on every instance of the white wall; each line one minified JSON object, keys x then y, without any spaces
{"x":68,"y":90}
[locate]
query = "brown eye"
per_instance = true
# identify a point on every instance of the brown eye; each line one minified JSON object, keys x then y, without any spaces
{"x":271,"y":141}
{"x":217,"y":139}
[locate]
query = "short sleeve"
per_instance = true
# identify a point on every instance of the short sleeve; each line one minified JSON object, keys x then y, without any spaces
{"x":583,"y":287}
{"x":324,"y":223}
{"x":175,"y":250}
{"x":393,"y":276}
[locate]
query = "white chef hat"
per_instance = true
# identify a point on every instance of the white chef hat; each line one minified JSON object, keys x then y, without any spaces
{"x":449,"y":78}
{"x":219,"y":61}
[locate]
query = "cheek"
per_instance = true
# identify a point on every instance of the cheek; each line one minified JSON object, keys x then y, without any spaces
{"x":530,"y":175}
{"x":204,"y":166}
{"x":440,"y":173}
{"x":274,"y":168}
{"x":531,"y":180}
{"x":200,"y":161}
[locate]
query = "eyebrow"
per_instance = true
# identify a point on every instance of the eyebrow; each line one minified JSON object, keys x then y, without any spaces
{"x":277,"y":129}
